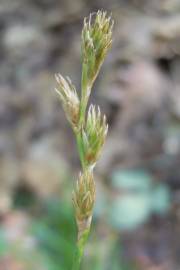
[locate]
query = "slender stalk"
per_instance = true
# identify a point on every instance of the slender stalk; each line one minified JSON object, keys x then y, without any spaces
{"x":80,"y":250}
{"x":85,"y":92}
{"x":80,"y":245}
{"x":80,"y":148}
{"x":90,"y":128}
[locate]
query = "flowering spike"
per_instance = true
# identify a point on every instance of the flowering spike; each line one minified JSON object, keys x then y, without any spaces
{"x":90,"y":127}
{"x":83,"y":199}
{"x":96,"y":41}
{"x":69,"y":98}
{"x":94,"y":135}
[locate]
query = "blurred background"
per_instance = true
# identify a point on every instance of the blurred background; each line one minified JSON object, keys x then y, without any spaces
{"x":136,"y":221}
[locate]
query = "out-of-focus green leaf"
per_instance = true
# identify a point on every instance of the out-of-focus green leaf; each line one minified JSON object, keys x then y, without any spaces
{"x":3,"y":244}
{"x":137,"y":179}
{"x":137,"y":199}
{"x":129,"y":211}
{"x":55,"y":232}
{"x":161,"y":199}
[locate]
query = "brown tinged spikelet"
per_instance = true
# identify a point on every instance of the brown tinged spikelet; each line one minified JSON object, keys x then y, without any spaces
{"x":84,"y":197}
{"x":69,"y":98}
{"x":96,"y":41}
{"x":94,"y":135}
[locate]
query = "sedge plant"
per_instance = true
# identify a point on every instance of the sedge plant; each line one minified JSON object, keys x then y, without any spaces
{"x":89,"y":125}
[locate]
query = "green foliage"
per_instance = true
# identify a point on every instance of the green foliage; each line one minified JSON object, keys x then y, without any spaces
{"x":161,"y":199}
{"x":130,"y":211}
{"x":3,"y":244}
{"x":55,"y":232}
{"x":136,"y":180}
{"x":138,"y":198}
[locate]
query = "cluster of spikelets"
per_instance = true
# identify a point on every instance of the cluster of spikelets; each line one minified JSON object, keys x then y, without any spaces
{"x":90,"y":126}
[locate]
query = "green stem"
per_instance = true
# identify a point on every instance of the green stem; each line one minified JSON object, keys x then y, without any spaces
{"x":80,"y":148}
{"x":85,"y":93}
{"x":80,"y":250}
{"x":83,"y":106}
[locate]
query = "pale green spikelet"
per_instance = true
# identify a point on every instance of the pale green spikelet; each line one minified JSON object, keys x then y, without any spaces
{"x":84,"y":196}
{"x":69,"y":98}
{"x":96,"y":41}
{"x":83,"y":199}
{"x":94,"y":135}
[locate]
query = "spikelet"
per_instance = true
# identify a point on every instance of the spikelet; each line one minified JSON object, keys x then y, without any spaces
{"x":69,"y":98}
{"x":96,"y":41}
{"x":83,"y":199}
{"x":94,"y":135}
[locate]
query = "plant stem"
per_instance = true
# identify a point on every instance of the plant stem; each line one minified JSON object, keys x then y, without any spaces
{"x":84,"y":235}
{"x":85,"y":93}
{"x":80,"y":250}
{"x":80,"y":148}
